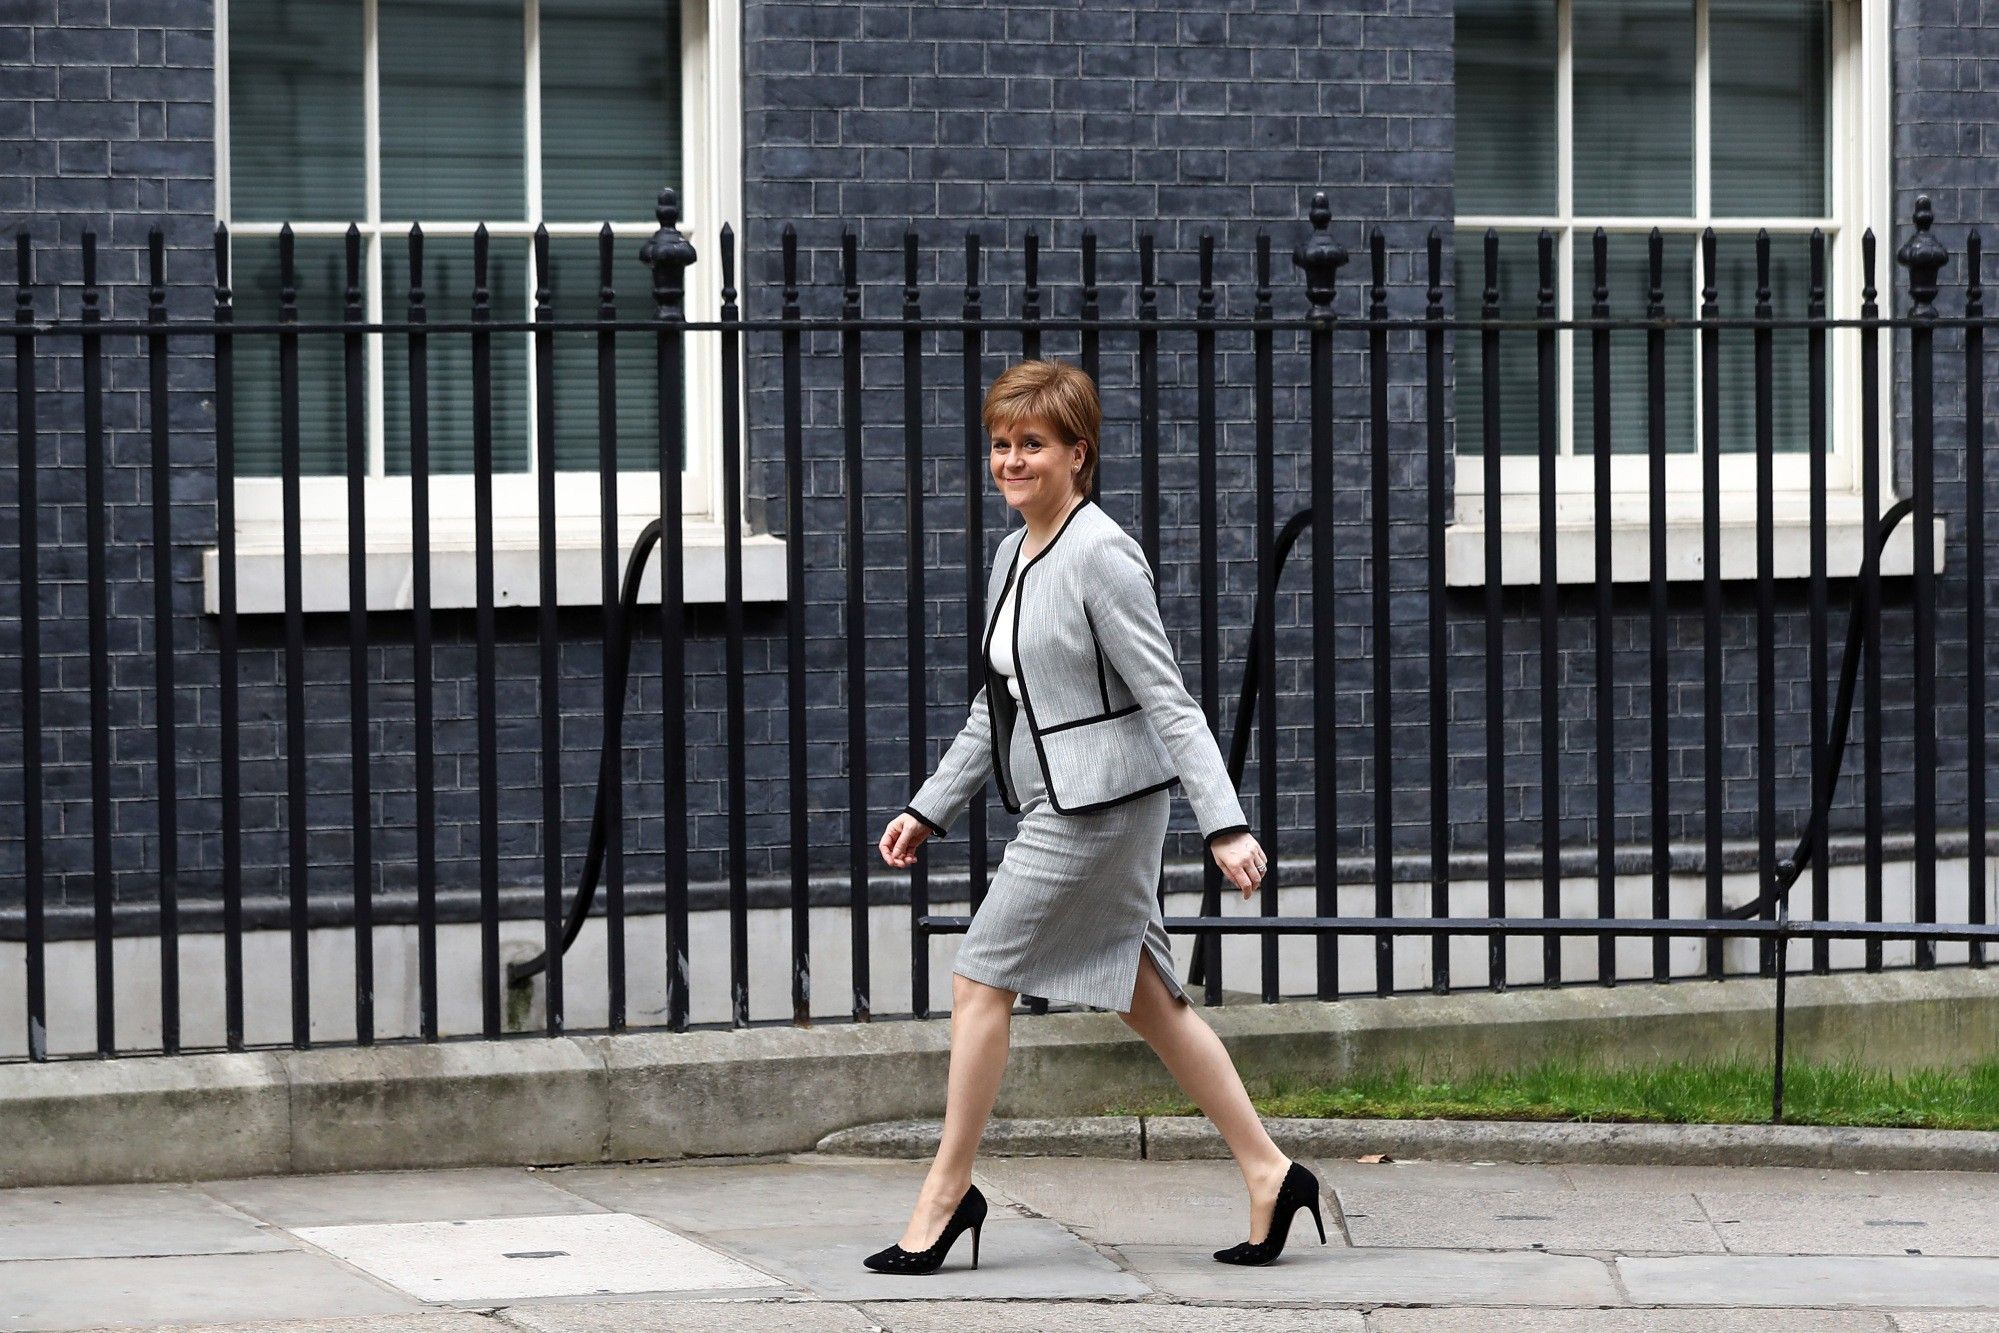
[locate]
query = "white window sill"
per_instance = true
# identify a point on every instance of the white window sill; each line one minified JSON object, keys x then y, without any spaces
{"x":260,"y":566}
{"x":1631,"y":540}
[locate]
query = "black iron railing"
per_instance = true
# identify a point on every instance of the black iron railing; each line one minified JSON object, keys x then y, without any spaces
{"x":1390,"y":503}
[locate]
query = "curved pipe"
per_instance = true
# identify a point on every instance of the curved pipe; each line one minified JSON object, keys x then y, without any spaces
{"x":607,"y":763}
{"x":1789,"y":870}
{"x":1245,"y":713}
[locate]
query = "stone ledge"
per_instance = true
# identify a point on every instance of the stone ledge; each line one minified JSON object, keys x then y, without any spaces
{"x":1192,"y":1138}
{"x":648,"y":1095}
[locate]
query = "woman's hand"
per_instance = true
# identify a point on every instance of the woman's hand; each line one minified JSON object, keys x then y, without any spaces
{"x":1241,"y":858}
{"x":904,"y":834}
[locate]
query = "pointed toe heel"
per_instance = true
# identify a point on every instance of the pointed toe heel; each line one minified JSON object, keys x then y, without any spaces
{"x":970,"y":1214}
{"x":1300,"y":1189}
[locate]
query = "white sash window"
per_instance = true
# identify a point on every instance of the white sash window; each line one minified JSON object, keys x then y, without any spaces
{"x":1738,"y":115}
{"x":453,"y":113}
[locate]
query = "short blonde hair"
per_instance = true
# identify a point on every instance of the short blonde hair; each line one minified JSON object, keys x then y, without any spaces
{"x":1059,"y":394}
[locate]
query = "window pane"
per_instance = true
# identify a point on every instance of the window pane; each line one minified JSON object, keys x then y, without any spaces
{"x":1634,"y":107}
{"x":610,"y":107}
{"x":447,"y":282}
{"x":1768,"y":71}
{"x":1505,"y":106}
{"x":322,"y":295}
{"x":452,"y":110}
{"x":1735,"y":287}
{"x":573,"y":283}
{"x":1519,"y":401}
{"x":295,"y":149}
{"x":1630,"y":279}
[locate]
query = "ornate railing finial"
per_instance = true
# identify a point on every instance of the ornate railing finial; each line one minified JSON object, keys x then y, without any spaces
{"x":668,"y":253}
{"x":1320,"y":256}
{"x":1924,"y":256}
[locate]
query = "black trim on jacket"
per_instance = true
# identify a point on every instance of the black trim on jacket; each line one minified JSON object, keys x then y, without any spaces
{"x":1027,"y":699}
{"x":926,"y":820}
{"x":1209,"y":841}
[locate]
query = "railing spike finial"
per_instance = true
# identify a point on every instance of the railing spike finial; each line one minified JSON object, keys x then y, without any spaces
{"x":1320,"y":256}
{"x":90,"y":264}
{"x":607,"y":294}
{"x":728,"y":256}
{"x":1377,"y":292}
{"x":1434,"y":309}
{"x":789,"y":250}
{"x":1974,"y":287}
{"x":1924,"y":256}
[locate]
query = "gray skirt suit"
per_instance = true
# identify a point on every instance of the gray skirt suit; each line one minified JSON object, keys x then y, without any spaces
{"x":1103,"y":731}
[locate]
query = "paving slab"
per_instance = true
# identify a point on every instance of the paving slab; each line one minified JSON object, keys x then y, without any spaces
{"x":199,"y":1289}
{"x":108,"y":1221}
{"x":436,"y":1321}
{"x":871,"y":1197}
{"x":1627,"y":1321}
{"x":1470,"y":1219}
{"x":1419,"y":1173}
{"x":511,"y":1258}
{"x":1026,"y":1257}
{"x":1120,"y":1203}
{"x":1899,"y":1222}
{"x":1946,"y":1321}
{"x":396,"y":1196}
{"x":689,"y":1316}
{"x":1858,"y":1280}
{"x":1333,"y":1276}
{"x":1127,"y":1317}
{"x":1817,"y":1181}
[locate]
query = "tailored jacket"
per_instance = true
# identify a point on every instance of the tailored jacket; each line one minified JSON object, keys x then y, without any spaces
{"x":1101,"y":691}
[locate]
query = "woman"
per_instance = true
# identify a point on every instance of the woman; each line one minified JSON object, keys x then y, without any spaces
{"x":1085,"y":723}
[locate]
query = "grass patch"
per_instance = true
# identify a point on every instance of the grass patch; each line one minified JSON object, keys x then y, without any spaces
{"x":1720,"y":1093}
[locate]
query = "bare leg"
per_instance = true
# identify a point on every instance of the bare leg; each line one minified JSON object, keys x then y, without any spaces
{"x":1200,"y":1064}
{"x":981,"y":1018}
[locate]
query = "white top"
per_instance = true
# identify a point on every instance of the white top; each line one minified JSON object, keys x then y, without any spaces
{"x":1001,"y":650}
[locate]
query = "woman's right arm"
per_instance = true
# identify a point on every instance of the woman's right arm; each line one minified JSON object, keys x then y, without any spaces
{"x":962,"y":772}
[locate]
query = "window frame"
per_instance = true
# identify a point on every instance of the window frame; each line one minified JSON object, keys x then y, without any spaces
{"x":711,"y":194}
{"x":1859,"y":194}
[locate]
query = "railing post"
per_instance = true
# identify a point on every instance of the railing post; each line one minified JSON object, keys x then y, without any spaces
{"x":1379,"y":581}
{"x":1974,"y":611}
{"x":913,"y":561}
{"x":732,"y":633}
{"x":854,"y":484}
{"x":669,"y":253}
{"x":1924,"y":256}
{"x":27,"y":508}
{"x":1321,"y":257}
{"x":1435,"y":459}
{"x":790,"y":353}
{"x":97,"y":598}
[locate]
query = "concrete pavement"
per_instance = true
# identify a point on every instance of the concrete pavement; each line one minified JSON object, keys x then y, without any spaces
{"x":1072,"y":1243}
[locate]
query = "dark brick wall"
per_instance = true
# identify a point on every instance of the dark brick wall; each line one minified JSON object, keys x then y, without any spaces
{"x":991,"y":118}
{"x":1168,"y":121}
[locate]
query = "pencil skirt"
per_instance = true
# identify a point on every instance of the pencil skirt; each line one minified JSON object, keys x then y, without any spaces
{"x":1073,"y":900}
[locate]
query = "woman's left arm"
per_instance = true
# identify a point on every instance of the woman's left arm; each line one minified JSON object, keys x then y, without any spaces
{"x":1125,"y":611}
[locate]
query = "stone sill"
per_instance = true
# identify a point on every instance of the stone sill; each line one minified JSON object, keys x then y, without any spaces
{"x":1630,"y":541}
{"x":391,"y":566}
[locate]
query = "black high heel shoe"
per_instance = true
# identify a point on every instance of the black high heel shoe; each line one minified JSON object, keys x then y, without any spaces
{"x":1299,"y":1190}
{"x":970,"y":1212}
